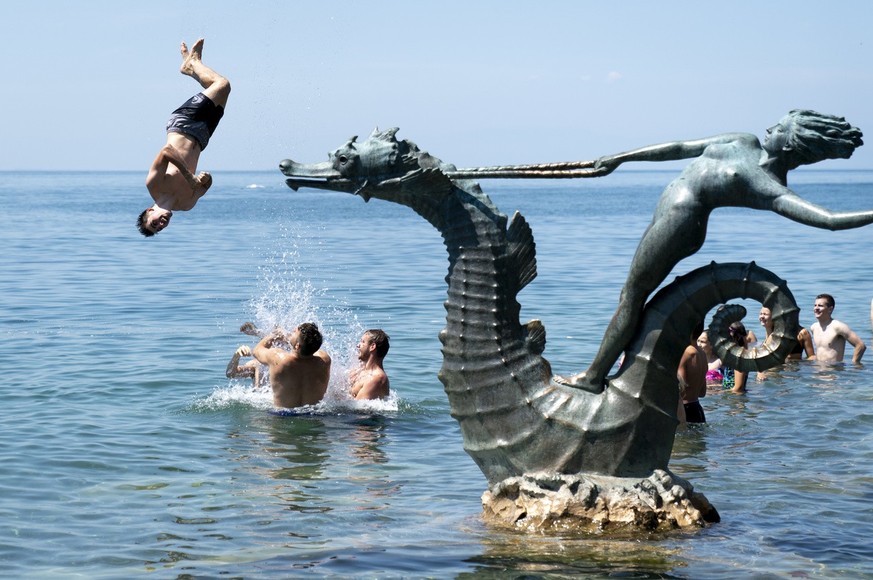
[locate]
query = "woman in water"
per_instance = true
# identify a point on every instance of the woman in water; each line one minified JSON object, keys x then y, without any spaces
{"x":734,"y":380}
{"x":714,"y":376}
{"x":804,"y":338}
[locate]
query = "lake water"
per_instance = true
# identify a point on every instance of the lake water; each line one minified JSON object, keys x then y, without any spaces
{"x":126,"y":452}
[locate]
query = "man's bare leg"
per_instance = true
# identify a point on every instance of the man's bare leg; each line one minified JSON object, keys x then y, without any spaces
{"x":215,"y":86}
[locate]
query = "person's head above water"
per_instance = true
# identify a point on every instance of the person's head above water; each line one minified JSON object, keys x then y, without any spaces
{"x":737,"y":333}
{"x":378,"y":339}
{"x":307,"y":337}
{"x":803,"y":137}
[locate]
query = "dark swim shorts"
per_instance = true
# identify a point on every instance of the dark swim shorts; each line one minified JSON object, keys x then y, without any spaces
{"x":197,"y":117}
{"x":694,"y":413}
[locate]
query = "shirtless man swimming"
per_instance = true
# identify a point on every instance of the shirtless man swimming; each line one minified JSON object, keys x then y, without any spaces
{"x":369,"y":381}
{"x":171,"y":180}
{"x":299,"y":376}
{"x":830,"y":335}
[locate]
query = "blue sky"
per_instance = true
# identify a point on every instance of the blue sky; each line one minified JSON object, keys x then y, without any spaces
{"x":89,"y":85}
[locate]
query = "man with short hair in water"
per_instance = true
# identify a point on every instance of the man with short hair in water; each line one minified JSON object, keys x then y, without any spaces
{"x":830,"y":335}
{"x":369,"y":381}
{"x":171,"y":180}
{"x":299,"y":376}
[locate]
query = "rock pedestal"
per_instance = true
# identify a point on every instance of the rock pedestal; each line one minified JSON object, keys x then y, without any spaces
{"x":596,"y":503}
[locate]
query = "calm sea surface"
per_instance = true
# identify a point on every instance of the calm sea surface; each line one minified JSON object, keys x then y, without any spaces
{"x":125,"y":451}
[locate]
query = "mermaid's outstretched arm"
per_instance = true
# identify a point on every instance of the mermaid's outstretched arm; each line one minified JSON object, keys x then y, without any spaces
{"x":797,"y":209}
{"x":672,"y":150}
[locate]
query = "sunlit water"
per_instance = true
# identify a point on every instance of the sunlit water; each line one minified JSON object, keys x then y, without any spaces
{"x":126,"y":452}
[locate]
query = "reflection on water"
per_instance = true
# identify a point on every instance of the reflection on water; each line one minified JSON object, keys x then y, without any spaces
{"x":369,"y":463}
{"x":300,"y":448}
{"x":689,"y":449}
{"x":306,"y":448}
{"x":564,"y":556}
{"x":302,"y":442}
{"x":367,"y":434}
{"x":826,"y":375}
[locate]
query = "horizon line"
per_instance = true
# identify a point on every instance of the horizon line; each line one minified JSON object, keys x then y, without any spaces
{"x":624,"y":170}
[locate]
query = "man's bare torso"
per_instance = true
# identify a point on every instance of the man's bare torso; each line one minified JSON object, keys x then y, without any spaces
{"x":830,"y":344}
{"x":171,"y":190}
{"x":299,"y":381}
{"x":375,"y":381}
{"x":693,"y":371}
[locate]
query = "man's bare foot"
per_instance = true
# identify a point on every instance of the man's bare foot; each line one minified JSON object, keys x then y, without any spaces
{"x":580,"y":382}
{"x":190,"y":57}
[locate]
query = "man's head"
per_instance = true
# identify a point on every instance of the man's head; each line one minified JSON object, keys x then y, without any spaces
{"x":307,"y":338}
{"x":810,"y":137}
{"x":373,"y":341}
{"x":153,"y":220}
{"x":823,"y":306}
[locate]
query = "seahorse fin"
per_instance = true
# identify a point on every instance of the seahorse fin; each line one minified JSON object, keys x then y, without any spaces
{"x":536,"y":336}
{"x":431,"y":179}
{"x":522,"y":249}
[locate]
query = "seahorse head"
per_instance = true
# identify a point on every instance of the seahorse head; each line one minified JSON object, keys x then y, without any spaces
{"x":381,"y":166}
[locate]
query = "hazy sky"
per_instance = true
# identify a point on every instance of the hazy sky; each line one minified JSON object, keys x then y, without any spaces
{"x":89,"y":85}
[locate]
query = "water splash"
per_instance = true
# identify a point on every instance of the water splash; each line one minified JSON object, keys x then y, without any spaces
{"x":241,"y":393}
{"x":236,"y":393}
{"x":286,"y":297}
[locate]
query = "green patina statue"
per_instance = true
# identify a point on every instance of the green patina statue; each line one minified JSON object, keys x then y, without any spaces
{"x":733,"y":169}
{"x":531,"y":432}
{"x":515,"y":418}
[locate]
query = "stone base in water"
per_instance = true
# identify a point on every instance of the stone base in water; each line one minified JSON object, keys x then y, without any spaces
{"x":597,"y":503}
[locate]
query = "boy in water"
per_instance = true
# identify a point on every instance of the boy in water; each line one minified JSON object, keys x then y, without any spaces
{"x":171,"y":180}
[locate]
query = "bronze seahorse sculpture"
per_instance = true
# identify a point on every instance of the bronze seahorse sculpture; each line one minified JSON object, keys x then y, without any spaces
{"x":515,"y":418}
